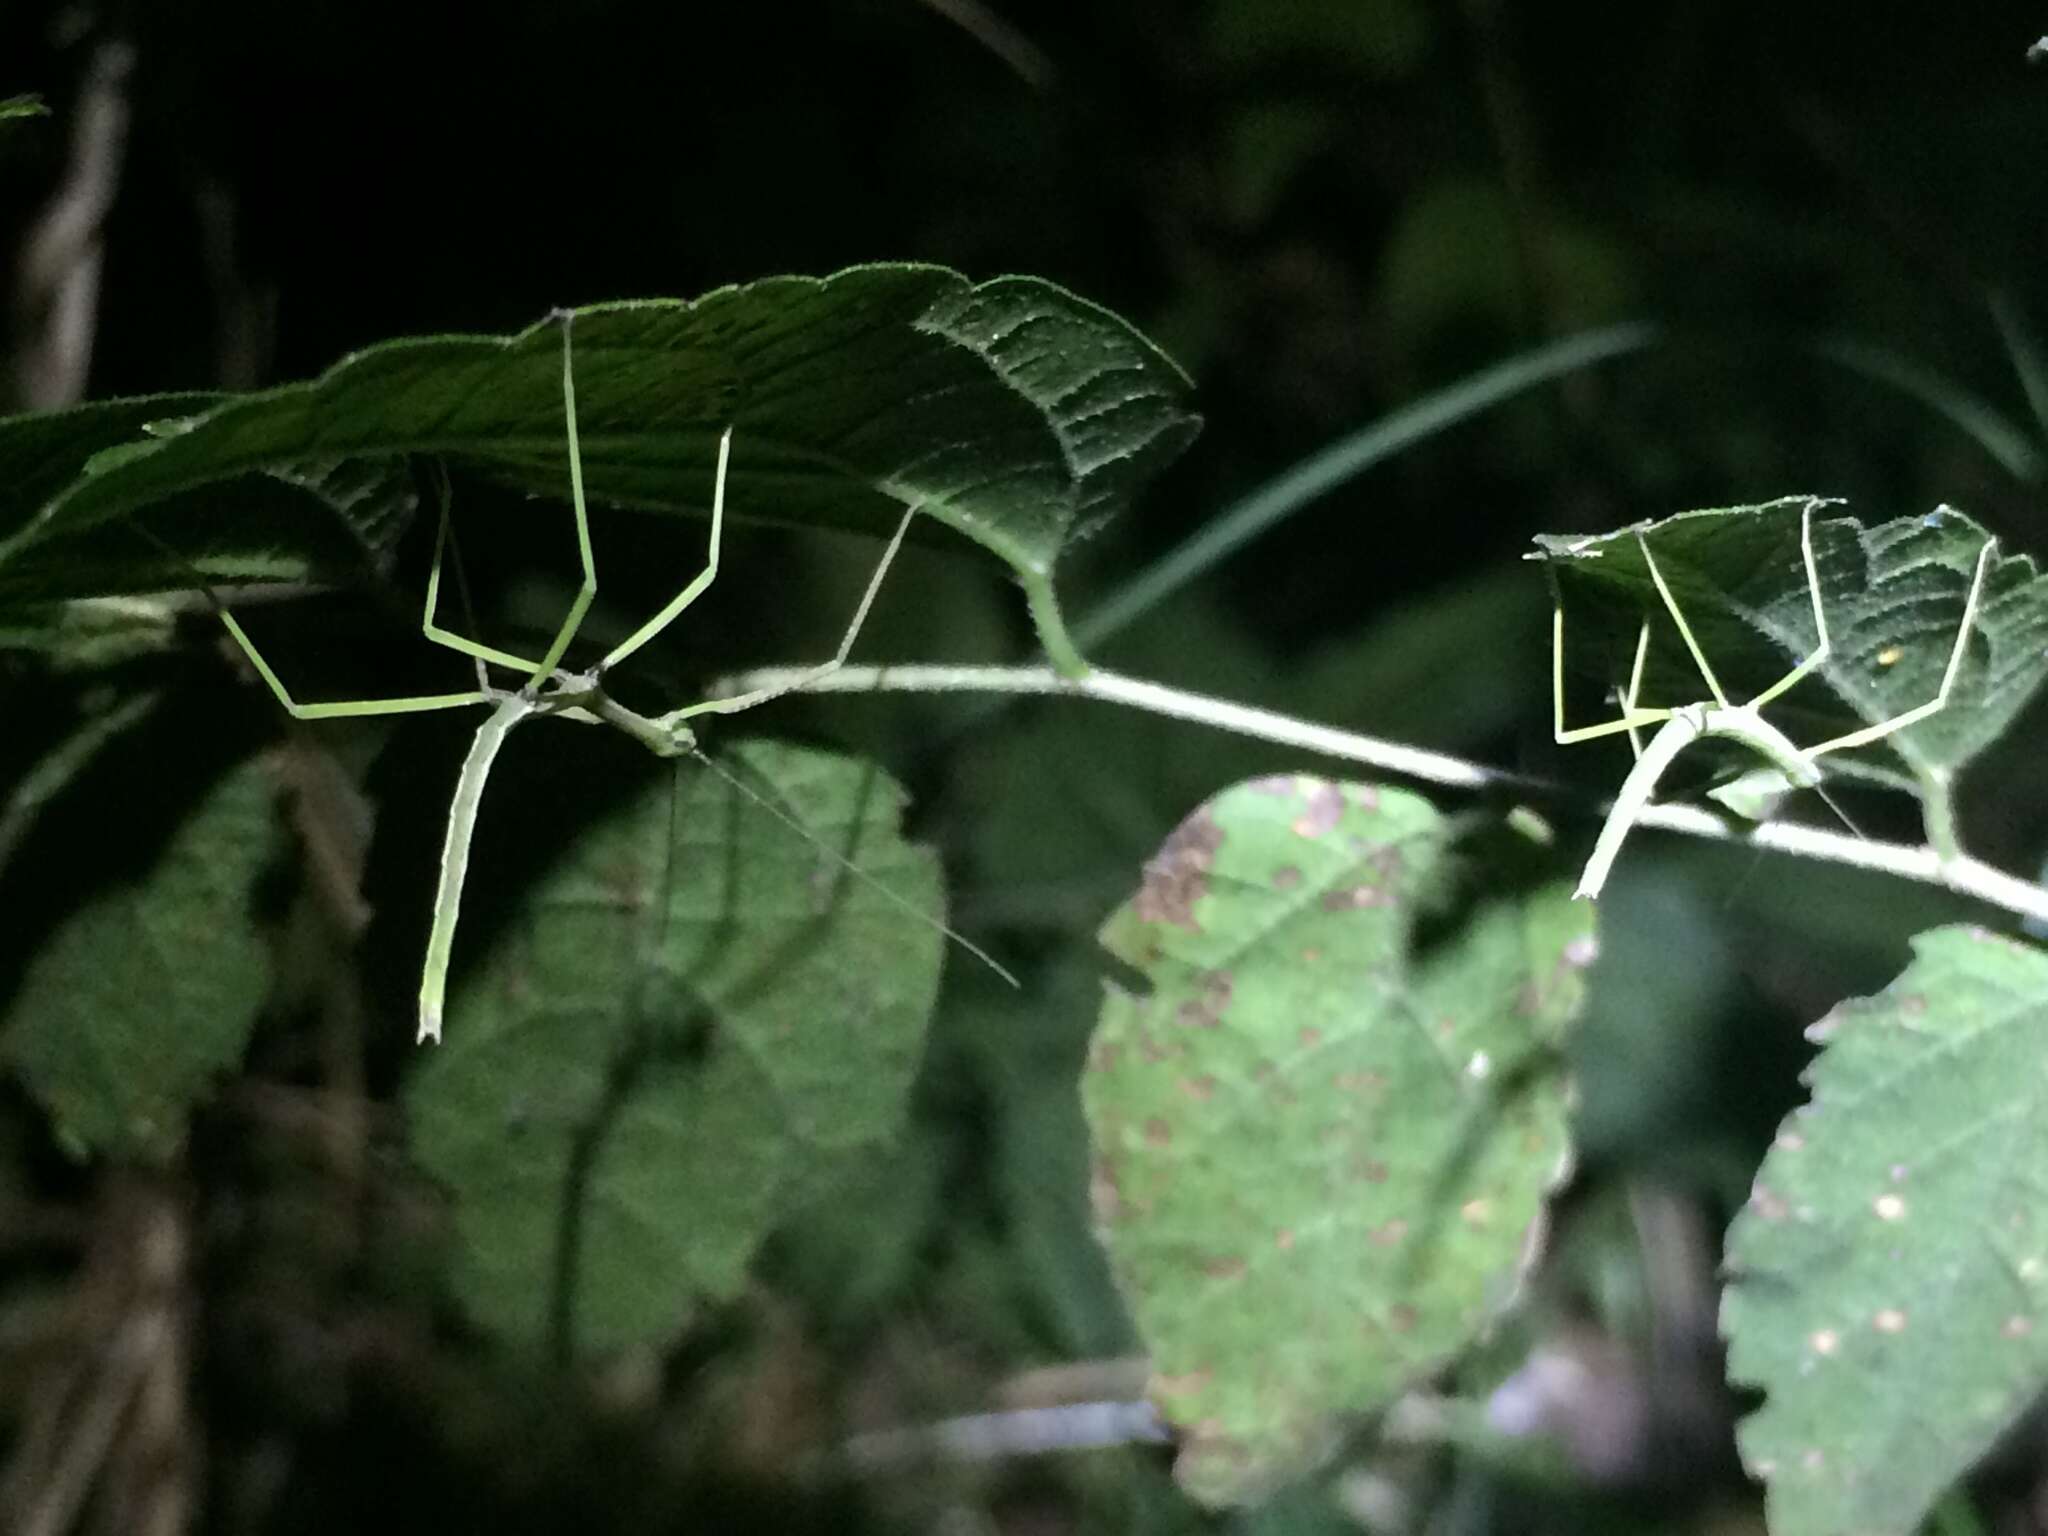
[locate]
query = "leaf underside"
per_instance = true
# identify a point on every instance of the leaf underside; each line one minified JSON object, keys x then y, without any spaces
{"x":1011,"y":410}
{"x":1320,"y":1148}
{"x":673,"y":1047}
{"x":1893,"y":596}
{"x":1890,"y":1290}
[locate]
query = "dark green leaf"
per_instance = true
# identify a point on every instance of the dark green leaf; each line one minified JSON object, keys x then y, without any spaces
{"x":1011,"y":410}
{"x":671,"y":1051}
{"x":1891,"y":1269}
{"x":43,"y":453}
{"x":138,"y":999}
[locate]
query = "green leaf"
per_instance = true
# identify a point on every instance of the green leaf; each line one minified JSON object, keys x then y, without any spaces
{"x":22,"y":106}
{"x":1011,"y":410}
{"x":330,"y":519}
{"x":673,"y":1048}
{"x":44,"y":452}
{"x":137,"y":1000}
{"x":1891,"y":1268}
{"x":1893,"y":597}
{"x":1324,"y":1134}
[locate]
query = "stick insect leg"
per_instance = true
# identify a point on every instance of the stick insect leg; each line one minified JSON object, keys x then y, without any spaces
{"x":1791,"y":679}
{"x":1678,"y":618}
{"x":444,"y":544}
{"x":350,"y":709}
{"x":824,"y":669}
{"x":698,"y":583}
{"x":573,"y":620}
{"x":1939,"y":702}
{"x":1631,"y":716}
{"x":344,"y":710}
{"x":1629,"y":712}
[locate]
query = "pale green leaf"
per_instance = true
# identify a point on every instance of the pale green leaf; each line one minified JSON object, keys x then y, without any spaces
{"x":1324,"y":1134}
{"x":1893,"y":596}
{"x":1890,"y":1290}
{"x":672,"y":1048}
{"x":138,"y":999}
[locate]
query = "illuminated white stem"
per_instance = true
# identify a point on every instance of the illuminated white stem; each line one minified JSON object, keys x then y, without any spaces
{"x":1963,"y":874}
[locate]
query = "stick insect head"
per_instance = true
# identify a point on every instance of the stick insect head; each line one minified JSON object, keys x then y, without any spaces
{"x":1756,"y":794}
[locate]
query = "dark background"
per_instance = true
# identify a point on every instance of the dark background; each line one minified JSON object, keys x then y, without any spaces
{"x":1324,"y":210}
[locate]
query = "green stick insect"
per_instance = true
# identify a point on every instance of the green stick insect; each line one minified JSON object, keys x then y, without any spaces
{"x":1755,"y":793}
{"x":547,"y":690}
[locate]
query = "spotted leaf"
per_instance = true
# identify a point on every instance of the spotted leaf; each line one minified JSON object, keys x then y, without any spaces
{"x":1325,"y":1132}
{"x":1891,"y":1269}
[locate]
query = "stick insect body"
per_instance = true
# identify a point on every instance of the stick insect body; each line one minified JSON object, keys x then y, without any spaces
{"x":549,"y":691}
{"x":1790,"y":766}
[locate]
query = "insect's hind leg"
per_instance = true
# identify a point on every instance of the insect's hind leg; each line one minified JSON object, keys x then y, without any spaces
{"x":698,"y":584}
{"x":824,"y":669}
{"x":1823,"y":646}
{"x":537,"y":672}
{"x":444,"y":548}
{"x":1632,"y":717}
{"x":1635,"y":688}
{"x":1678,"y":618}
{"x":1939,"y":702}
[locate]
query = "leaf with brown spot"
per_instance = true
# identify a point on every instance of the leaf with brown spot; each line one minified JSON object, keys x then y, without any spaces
{"x":1891,"y":1268}
{"x":1179,"y":876}
{"x":1353,"y":1110}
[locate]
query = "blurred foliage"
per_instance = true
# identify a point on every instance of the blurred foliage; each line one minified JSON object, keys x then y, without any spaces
{"x":1323,"y":210}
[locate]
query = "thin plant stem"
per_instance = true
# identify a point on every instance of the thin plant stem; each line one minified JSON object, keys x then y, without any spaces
{"x":1962,"y":874}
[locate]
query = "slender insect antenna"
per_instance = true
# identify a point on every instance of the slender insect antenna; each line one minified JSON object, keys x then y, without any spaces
{"x":1841,"y":814}
{"x":855,"y":870}
{"x":668,"y":860}
{"x":194,"y":577}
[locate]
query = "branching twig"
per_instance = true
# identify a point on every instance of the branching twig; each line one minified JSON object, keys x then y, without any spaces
{"x":1010,"y":1433}
{"x":60,"y":765}
{"x":1965,"y":875}
{"x":57,"y":294}
{"x":999,"y":37}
